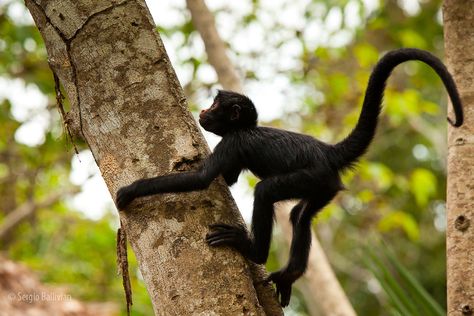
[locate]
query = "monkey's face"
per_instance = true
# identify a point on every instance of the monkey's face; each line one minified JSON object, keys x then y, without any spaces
{"x":229,"y":111}
{"x":214,"y":119}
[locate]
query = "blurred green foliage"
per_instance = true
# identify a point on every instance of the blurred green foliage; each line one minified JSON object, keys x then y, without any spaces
{"x":397,"y":192}
{"x":405,"y":294}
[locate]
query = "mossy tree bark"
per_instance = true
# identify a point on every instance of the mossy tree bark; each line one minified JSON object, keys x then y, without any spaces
{"x":127,"y":104}
{"x":458,"y":18}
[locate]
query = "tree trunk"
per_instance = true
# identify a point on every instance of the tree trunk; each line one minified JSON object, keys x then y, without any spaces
{"x":459,"y":42}
{"x":127,"y":104}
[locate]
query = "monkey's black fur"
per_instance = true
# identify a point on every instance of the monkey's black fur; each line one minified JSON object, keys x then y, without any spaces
{"x":290,"y":166}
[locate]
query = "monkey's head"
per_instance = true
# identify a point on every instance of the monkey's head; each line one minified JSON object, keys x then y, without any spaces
{"x":230,"y":111}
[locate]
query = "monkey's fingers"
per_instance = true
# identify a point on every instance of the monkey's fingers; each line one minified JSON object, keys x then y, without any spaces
{"x":268,"y":279}
{"x":221,"y":242}
{"x":283,"y":292}
{"x":121,"y":201}
{"x":283,"y":287}
{"x":218,"y":235}
{"x":285,"y":295}
{"x":123,"y":197}
{"x":226,"y":228}
{"x":227,"y":235}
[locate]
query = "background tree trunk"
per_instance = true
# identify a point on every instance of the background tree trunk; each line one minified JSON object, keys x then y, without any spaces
{"x":203,"y":21}
{"x":127,"y":104}
{"x":459,"y":43}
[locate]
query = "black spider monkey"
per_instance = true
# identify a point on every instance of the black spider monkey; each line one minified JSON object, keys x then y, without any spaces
{"x":290,"y":166}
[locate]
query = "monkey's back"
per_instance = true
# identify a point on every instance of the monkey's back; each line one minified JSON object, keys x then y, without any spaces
{"x":269,"y":151}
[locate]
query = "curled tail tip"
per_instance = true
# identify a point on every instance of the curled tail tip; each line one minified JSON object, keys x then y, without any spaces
{"x":457,"y":110}
{"x":457,"y":123}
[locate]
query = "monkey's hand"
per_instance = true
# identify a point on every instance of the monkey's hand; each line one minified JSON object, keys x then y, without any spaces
{"x":125,"y":195}
{"x":283,"y":282}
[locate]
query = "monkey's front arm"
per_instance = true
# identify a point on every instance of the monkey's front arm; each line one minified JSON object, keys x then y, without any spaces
{"x":179,"y":182}
{"x":213,"y":166}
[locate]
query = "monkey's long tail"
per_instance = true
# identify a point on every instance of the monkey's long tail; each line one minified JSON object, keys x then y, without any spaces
{"x":349,"y":150}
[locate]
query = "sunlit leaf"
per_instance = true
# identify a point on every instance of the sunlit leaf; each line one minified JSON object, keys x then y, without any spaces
{"x":339,"y":84}
{"x":400,"y":220}
{"x":423,"y":185}
{"x":366,"y":54}
{"x":399,"y":105}
{"x":366,"y":196}
{"x":411,"y":38}
{"x":379,"y":174}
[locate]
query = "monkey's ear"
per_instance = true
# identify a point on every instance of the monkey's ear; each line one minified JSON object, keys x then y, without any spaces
{"x":235,"y":112}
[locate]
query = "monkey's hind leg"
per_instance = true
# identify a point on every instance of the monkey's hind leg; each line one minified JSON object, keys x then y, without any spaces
{"x":256,"y":246}
{"x":300,"y":217}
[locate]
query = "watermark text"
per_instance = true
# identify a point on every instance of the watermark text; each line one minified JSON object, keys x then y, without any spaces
{"x":38,"y":297}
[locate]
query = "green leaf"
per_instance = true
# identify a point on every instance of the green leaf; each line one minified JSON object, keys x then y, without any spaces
{"x":366,"y":54}
{"x":400,"y":105}
{"x":379,"y":173}
{"x":366,"y":196}
{"x":423,"y":185}
{"x":403,"y":220}
{"x":339,"y":85}
{"x":410,"y":38}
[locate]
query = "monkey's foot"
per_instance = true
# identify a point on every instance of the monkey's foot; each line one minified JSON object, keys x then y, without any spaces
{"x":232,"y":236}
{"x":283,"y":281}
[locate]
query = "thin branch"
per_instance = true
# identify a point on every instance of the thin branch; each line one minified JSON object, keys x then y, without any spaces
{"x":22,"y":212}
